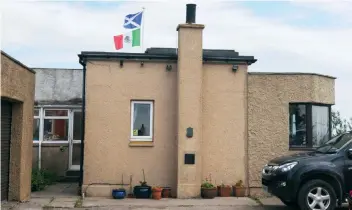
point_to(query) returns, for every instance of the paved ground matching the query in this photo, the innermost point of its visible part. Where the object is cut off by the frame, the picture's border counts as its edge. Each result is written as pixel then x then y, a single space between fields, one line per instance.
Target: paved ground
pixel 64 196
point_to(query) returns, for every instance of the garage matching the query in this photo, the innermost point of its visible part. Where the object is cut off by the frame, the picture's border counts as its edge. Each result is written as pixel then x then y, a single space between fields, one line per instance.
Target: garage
pixel 6 116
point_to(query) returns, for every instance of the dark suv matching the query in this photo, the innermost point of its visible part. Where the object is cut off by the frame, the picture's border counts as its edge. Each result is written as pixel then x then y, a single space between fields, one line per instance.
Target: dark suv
pixel 320 179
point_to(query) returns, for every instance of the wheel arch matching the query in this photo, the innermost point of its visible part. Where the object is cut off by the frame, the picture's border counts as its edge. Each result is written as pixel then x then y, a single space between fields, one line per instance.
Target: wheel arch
pixel 332 179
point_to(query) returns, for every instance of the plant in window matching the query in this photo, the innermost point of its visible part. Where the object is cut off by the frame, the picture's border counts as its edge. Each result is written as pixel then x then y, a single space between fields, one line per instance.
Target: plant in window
pixel 208 190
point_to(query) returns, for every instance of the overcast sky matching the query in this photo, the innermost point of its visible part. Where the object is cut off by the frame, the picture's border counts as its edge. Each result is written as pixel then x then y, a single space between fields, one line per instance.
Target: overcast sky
pixel 295 36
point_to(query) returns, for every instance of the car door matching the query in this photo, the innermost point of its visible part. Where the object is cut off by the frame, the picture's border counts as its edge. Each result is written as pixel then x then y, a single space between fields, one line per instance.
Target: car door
pixel 348 168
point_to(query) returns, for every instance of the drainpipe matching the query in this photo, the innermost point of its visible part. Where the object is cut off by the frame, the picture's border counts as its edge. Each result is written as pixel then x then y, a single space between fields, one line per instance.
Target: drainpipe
pixel 83 121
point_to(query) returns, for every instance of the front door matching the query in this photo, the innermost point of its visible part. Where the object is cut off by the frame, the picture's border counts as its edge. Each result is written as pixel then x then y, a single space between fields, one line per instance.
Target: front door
pixel 75 139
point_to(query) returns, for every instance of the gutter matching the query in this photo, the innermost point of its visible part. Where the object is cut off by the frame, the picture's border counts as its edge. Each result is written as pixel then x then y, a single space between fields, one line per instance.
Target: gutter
pixel 83 122
pixel 144 56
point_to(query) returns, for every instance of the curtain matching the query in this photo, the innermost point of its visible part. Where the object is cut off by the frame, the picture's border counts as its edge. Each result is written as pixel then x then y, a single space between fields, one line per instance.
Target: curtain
pixel 320 123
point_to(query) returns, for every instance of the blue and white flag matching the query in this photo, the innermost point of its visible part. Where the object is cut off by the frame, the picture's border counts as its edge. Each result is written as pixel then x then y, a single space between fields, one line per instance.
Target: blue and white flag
pixel 133 21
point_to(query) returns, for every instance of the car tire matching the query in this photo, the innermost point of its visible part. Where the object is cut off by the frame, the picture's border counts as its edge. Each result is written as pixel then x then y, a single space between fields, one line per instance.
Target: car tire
pixel 290 203
pixel 309 193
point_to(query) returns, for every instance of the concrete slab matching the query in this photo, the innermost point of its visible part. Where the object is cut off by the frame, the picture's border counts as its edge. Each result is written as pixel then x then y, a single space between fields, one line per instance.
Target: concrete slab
pixel 57 190
pixel 68 202
pixel 163 203
pixel 271 201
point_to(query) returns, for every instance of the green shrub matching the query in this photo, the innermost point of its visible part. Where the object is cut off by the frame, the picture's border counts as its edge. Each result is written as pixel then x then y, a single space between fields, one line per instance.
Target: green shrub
pixel 42 178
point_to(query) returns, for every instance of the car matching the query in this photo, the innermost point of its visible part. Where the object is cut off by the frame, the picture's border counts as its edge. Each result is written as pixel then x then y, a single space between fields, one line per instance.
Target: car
pixel 314 180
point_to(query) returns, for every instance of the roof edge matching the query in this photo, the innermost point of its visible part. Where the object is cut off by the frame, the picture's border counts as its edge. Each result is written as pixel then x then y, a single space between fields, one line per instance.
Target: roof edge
pixel 17 62
pixel 291 73
pixel 34 68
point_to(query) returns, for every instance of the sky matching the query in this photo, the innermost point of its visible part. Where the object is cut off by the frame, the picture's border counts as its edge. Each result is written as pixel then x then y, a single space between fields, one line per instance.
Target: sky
pixel 285 36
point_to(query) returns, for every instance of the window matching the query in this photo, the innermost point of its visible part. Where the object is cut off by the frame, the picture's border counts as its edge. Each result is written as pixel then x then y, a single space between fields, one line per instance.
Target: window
pixel 141 120
pixel 36 124
pixel 309 125
pixel 56 125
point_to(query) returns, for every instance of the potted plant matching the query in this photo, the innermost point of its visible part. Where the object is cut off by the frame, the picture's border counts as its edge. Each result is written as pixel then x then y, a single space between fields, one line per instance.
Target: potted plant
pixel 224 190
pixel 238 189
pixel 208 190
pixel 119 193
pixel 156 193
pixel 143 190
pixel 166 193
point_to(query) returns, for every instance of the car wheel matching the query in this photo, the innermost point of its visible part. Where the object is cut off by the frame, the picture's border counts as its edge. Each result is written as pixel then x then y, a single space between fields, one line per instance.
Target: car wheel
pixel 317 195
pixel 289 203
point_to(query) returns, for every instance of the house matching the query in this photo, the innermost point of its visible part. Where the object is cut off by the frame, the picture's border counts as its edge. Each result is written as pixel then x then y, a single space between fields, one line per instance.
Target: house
pixel 57 121
pixel 17 99
pixel 186 114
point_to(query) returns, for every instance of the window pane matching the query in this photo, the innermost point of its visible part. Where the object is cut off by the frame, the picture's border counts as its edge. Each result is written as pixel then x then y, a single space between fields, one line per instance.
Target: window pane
pixel 36 112
pixel 59 113
pixel 55 129
pixel 141 119
pixel 77 123
pixel 36 123
pixel 320 123
pixel 298 125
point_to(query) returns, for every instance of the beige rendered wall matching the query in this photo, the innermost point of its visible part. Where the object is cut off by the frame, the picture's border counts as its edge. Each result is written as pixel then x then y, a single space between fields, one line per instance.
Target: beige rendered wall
pixel 269 96
pixel 224 123
pixel 108 154
pixel 17 85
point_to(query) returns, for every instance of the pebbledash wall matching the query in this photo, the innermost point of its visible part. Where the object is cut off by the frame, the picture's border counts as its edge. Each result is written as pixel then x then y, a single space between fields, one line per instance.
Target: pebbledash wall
pixel 269 96
pixel 17 89
pixel 239 119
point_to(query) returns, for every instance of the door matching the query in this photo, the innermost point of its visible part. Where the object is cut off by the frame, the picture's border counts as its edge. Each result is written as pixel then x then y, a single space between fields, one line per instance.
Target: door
pixel 6 118
pixel 75 139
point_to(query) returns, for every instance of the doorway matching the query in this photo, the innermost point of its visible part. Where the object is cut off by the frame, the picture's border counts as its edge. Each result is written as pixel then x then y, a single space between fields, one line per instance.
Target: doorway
pixel 75 139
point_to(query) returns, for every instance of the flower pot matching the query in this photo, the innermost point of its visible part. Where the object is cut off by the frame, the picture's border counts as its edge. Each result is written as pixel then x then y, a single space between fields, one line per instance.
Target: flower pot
pixel 224 191
pixel 208 193
pixel 239 191
pixel 156 193
pixel 118 193
pixel 142 191
pixel 166 193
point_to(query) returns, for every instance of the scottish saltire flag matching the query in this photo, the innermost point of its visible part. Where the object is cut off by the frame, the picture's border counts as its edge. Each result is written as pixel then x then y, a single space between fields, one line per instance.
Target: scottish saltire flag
pixel 133 21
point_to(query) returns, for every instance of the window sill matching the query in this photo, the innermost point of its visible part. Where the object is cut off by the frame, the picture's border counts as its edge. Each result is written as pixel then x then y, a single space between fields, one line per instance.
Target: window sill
pixel 301 149
pixel 141 144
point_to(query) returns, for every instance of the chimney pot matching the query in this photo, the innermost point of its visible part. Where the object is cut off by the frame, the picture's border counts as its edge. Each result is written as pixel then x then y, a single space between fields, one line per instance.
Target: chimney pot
pixel 191 13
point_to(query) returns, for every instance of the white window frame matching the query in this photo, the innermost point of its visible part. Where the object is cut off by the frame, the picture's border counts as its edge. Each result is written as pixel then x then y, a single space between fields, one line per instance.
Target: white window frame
pixel 40 123
pixel 143 138
pixel 56 118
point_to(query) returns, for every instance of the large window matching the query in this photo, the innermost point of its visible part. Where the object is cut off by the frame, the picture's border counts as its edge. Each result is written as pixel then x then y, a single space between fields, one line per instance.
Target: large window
pixel 141 120
pixel 310 125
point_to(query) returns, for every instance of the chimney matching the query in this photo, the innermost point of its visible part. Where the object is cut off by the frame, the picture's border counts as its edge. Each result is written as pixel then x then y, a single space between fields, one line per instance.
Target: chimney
pixel 189 112
pixel 191 13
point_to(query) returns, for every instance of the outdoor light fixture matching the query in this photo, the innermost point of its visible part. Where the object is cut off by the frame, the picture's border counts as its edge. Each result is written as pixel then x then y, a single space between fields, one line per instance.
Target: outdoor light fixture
pixel 234 68
pixel 121 63
pixel 168 67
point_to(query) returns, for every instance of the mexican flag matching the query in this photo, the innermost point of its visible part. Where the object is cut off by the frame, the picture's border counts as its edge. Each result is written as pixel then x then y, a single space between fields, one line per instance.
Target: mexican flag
pixel 130 39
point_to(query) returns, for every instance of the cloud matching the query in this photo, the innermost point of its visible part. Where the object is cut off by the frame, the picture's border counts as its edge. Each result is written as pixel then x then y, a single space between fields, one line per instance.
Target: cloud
pixel 50 34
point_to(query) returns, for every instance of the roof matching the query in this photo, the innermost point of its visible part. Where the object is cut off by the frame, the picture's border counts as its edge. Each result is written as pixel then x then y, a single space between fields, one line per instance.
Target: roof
pixel 170 54
pixel 17 62
pixel 290 74
pixel 56 69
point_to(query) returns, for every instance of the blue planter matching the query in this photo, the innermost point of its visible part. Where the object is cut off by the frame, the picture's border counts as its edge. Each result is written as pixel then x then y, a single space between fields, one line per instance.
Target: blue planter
pixel 142 191
pixel 118 193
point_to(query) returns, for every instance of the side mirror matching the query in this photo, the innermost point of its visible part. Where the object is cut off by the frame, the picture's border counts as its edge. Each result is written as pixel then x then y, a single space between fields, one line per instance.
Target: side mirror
pixel 349 153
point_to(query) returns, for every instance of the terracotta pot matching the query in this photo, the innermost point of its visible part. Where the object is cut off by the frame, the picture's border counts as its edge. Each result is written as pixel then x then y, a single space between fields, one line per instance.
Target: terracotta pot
pixel 224 191
pixel 156 193
pixel 166 193
pixel 239 191
pixel 208 193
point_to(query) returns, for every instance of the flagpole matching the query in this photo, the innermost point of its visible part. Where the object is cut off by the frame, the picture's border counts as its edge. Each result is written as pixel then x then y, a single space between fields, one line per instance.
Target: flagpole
pixel 143 22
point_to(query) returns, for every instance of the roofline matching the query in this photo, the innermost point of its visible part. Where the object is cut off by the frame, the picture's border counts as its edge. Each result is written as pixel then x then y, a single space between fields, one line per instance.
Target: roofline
pixel 17 62
pixel 291 73
pixel 84 56
pixel 55 69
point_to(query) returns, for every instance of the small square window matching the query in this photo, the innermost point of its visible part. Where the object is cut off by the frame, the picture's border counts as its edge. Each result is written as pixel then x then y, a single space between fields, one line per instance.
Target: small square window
pixel 56 113
pixel 142 120
pixel 189 159
pixel 36 112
